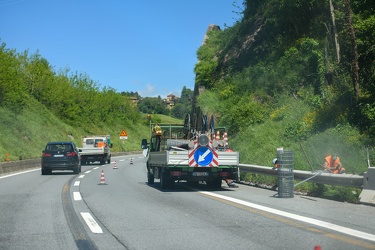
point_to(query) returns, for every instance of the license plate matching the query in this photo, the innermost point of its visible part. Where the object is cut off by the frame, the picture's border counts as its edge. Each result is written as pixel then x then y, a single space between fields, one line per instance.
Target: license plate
pixel 58 156
pixel 200 173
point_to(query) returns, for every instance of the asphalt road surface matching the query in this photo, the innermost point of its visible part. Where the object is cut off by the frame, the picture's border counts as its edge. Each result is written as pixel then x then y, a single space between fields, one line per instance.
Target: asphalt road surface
pixel 109 208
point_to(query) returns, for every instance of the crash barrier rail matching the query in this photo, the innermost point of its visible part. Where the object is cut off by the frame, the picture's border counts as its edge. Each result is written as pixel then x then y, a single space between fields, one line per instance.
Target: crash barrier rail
pixel 14 166
pixel 366 182
pixel 320 177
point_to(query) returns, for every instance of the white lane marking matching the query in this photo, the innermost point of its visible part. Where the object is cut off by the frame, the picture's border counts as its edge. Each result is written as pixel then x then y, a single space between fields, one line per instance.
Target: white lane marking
pixel 81 176
pixel 77 196
pixel 23 172
pixel 91 223
pixel 122 160
pixel 96 167
pixel 76 183
pixel 337 228
pixel 88 171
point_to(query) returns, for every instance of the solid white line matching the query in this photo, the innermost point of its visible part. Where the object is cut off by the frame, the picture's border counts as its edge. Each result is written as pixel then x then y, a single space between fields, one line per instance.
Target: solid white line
pixel 23 172
pixel 91 223
pixel 76 183
pixel 337 228
pixel 77 196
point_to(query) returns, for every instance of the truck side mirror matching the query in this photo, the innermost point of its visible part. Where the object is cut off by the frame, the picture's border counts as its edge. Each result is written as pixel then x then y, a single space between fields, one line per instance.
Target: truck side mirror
pixel 111 145
pixel 144 144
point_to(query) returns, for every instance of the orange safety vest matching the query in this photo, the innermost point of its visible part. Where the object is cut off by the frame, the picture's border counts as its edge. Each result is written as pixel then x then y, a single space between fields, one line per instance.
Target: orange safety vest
pixel 332 164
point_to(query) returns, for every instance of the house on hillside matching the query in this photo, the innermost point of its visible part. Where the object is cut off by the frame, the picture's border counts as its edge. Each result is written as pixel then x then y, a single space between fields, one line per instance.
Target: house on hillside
pixel 169 101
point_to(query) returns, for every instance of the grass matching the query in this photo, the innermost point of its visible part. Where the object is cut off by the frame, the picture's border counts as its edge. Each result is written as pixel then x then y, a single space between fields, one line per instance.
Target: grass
pixel 24 136
pixel 258 145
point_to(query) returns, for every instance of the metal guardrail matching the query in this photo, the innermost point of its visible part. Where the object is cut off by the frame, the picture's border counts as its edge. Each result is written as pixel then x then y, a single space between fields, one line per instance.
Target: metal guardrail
pixel 348 180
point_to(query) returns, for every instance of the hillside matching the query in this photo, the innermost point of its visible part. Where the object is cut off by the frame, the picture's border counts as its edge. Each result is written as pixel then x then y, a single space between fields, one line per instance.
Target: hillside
pixel 274 79
pixel 283 76
pixel 39 104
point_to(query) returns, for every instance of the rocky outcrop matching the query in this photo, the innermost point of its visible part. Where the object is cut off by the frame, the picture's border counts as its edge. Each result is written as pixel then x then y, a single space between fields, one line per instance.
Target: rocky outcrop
pixel 210 27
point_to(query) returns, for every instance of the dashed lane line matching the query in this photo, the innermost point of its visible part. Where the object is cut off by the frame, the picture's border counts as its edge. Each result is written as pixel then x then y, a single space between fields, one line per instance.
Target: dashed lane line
pixel 91 223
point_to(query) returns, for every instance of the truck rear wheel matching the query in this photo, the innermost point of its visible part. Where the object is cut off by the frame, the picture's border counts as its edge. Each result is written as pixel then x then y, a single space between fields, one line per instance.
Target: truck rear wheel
pixel 215 183
pixel 150 178
pixel 165 181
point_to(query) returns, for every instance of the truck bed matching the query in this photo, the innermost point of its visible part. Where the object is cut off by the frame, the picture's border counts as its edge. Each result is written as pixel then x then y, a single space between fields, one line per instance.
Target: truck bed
pixel 92 151
pixel 177 158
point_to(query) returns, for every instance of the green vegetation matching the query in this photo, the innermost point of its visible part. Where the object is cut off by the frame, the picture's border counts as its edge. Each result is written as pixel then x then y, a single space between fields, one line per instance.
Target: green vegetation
pixel 297 75
pixel 293 74
pixel 156 105
pixel 38 104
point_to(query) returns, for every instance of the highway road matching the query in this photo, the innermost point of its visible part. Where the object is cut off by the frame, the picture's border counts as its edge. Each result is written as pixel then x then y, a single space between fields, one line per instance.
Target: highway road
pixel 121 211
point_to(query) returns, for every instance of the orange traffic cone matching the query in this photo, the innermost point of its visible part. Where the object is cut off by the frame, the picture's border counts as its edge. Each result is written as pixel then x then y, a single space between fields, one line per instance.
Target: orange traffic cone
pixel 102 180
pixel 225 139
pixel 317 247
pixel 217 136
pixel 114 165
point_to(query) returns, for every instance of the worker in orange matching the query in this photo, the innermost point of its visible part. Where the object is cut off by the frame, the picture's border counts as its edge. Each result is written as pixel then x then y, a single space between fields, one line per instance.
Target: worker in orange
pixel 275 163
pixel 333 165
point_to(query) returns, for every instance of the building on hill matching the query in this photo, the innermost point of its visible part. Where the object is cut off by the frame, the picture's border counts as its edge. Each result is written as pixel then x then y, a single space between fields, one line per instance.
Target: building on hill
pixel 170 100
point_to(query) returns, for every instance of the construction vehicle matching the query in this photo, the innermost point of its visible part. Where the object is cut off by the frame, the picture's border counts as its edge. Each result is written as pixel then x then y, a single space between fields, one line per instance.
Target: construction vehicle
pixel 96 148
pixel 192 152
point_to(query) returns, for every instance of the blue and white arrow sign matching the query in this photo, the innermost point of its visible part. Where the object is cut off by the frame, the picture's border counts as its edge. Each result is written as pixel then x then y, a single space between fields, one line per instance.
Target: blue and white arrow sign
pixel 203 156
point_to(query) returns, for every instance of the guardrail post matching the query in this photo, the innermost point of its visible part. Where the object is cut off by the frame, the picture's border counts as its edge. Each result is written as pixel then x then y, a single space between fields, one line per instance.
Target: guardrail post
pixel 368 192
pixel 285 175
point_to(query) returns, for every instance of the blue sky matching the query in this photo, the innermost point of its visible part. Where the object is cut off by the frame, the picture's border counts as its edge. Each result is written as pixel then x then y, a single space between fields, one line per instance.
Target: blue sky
pixel 144 46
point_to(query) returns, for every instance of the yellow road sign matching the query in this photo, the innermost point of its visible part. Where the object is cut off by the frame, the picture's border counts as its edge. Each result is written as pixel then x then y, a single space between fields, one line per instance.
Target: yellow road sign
pixel 123 133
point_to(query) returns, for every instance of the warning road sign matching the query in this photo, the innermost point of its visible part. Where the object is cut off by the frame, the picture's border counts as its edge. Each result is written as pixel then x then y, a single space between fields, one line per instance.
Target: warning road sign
pixel 123 133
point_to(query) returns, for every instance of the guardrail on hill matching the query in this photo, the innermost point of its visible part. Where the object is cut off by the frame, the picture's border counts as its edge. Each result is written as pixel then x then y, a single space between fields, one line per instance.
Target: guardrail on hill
pixel 366 182
pixel 348 180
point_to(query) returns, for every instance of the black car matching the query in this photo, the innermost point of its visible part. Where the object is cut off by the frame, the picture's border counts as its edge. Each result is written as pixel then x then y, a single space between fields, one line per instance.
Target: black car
pixel 61 156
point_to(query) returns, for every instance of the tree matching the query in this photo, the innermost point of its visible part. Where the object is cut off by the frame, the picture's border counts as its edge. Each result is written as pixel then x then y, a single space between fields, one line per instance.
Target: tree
pixel 354 49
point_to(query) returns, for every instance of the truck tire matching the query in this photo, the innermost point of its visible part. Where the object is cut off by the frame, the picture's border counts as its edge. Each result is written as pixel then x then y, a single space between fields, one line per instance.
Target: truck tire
pixel 215 183
pixel 150 178
pixel 46 171
pixel 165 181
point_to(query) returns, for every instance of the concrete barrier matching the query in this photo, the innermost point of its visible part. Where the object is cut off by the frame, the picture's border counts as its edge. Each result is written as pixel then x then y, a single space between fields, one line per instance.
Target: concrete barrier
pixel 14 166
pixel 368 192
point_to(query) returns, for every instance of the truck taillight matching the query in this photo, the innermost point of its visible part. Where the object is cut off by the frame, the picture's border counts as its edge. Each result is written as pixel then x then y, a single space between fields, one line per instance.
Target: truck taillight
pixel 71 154
pixel 175 173
pixel 224 174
